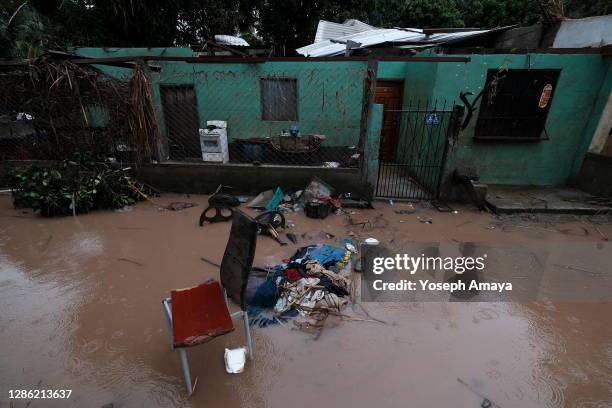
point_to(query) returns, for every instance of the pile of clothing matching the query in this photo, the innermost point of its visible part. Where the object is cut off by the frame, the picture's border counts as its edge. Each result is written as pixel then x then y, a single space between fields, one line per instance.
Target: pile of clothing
pixel 313 284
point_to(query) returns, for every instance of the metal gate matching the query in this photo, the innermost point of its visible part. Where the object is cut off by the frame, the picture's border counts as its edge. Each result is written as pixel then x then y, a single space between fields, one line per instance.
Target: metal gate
pixel 423 137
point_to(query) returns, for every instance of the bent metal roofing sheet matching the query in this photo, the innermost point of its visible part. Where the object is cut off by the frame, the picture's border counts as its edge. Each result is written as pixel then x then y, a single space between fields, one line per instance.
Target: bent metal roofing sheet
pixel 326 45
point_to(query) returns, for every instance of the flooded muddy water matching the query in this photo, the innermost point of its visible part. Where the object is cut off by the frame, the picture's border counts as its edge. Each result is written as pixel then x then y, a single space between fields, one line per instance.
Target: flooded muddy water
pixel 80 302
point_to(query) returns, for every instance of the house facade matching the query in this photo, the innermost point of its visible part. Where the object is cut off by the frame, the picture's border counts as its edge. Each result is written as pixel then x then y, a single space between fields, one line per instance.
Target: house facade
pixel 515 118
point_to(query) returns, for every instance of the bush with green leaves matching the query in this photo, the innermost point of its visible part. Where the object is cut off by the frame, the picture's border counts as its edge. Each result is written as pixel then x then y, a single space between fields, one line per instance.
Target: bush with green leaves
pixel 73 187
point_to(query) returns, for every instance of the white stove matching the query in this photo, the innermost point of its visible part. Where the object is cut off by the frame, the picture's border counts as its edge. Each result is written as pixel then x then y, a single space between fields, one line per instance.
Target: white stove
pixel 213 142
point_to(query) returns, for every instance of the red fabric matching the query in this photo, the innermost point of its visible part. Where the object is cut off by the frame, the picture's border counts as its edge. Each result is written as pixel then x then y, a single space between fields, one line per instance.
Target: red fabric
pixel 333 201
pixel 292 274
pixel 199 314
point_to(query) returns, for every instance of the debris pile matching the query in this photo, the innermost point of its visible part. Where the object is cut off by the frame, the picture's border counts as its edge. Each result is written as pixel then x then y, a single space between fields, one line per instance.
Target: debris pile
pixel 315 283
pixel 318 200
pixel 309 287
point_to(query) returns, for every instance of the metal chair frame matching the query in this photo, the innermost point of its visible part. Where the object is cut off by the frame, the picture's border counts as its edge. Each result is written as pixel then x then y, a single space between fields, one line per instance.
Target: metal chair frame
pixel 183 350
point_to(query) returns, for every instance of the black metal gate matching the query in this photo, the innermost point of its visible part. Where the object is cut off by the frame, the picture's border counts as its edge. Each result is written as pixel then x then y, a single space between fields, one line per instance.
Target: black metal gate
pixel 424 135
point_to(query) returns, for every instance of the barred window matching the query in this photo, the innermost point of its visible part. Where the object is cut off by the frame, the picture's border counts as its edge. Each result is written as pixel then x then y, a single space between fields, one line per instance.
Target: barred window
pixel 515 104
pixel 279 99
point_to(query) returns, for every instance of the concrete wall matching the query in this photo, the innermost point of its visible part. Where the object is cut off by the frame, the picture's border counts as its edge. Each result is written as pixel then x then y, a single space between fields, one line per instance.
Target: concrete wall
pixel 245 179
pixel 330 94
pixel 202 178
pixel 330 97
pixel 419 78
pixel 370 159
pixel 575 110
pixel 596 175
pixel 601 124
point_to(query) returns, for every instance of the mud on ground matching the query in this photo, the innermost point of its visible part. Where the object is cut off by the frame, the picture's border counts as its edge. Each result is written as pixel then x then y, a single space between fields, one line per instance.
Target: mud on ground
pixel 81 309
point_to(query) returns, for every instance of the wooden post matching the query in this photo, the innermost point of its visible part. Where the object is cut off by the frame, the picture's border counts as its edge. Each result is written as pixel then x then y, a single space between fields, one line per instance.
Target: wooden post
pixel 159 149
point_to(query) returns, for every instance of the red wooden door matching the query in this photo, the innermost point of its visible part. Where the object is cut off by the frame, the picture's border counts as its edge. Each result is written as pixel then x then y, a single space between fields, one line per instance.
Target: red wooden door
pixel 389 94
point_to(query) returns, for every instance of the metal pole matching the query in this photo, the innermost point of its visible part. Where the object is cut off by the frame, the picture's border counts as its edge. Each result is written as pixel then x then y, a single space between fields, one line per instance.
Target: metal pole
pixel 247 331
pixel 168 315
pixel 185 366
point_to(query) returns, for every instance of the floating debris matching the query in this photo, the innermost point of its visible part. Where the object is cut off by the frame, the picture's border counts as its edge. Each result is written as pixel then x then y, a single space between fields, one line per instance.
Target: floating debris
pixel 180 205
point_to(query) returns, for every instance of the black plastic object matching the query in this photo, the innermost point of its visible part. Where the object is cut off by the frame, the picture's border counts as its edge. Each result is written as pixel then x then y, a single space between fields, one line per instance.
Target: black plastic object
pixel 274 218
pixel 317 209
pixel 218 217
pixel 222 200
pixel 219 202
pixel 268 222
pixel 238 257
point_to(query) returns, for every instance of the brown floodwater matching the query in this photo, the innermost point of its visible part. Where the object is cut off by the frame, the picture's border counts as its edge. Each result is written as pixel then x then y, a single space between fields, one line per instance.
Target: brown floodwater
pixel 80 309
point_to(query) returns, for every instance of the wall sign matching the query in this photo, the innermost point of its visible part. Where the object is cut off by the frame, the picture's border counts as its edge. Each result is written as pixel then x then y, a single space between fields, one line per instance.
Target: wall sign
pixel 545 97
pixel 432 119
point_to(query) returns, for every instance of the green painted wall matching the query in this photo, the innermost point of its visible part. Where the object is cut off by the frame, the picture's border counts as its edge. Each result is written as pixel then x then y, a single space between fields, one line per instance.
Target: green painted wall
pixel 576 106
pixel 370 160
pixel 330 94
pixel 419 78
pixel 600 104
pixel 419 82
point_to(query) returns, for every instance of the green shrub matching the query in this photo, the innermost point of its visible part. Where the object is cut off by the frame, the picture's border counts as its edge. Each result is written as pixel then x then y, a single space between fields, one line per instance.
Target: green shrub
pixel 73 187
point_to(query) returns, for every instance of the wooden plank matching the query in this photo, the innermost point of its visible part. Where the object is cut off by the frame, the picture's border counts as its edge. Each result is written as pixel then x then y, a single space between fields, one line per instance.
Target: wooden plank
pixel 526 51
pixel 120 62
pixel 259 60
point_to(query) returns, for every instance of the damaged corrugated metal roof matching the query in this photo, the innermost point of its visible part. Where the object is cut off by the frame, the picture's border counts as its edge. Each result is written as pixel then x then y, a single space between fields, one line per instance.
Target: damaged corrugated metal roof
pixel 327 30
pixel 338 46
pixel 230 40
pixel 334 39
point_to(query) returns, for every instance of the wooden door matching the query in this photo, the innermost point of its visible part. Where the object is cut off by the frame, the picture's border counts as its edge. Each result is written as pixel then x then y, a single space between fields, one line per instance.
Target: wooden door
pixel 182 121
pixel 389 94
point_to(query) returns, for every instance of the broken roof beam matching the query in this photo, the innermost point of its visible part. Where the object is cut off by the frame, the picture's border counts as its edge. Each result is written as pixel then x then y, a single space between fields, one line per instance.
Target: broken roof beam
pixel 120 62
pixel 524 51
pixel 260 60
pixel 129 63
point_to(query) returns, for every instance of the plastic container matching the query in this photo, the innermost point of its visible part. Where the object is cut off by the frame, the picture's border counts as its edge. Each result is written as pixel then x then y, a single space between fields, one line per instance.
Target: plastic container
pixel 317 209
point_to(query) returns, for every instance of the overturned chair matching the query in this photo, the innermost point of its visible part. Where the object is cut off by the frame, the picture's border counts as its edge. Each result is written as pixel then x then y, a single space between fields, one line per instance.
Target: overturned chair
pixel 199 314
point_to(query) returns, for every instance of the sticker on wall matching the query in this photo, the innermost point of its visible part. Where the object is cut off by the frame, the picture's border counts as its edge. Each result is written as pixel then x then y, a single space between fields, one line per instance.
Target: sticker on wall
pixel 545 97
pixel 432 119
